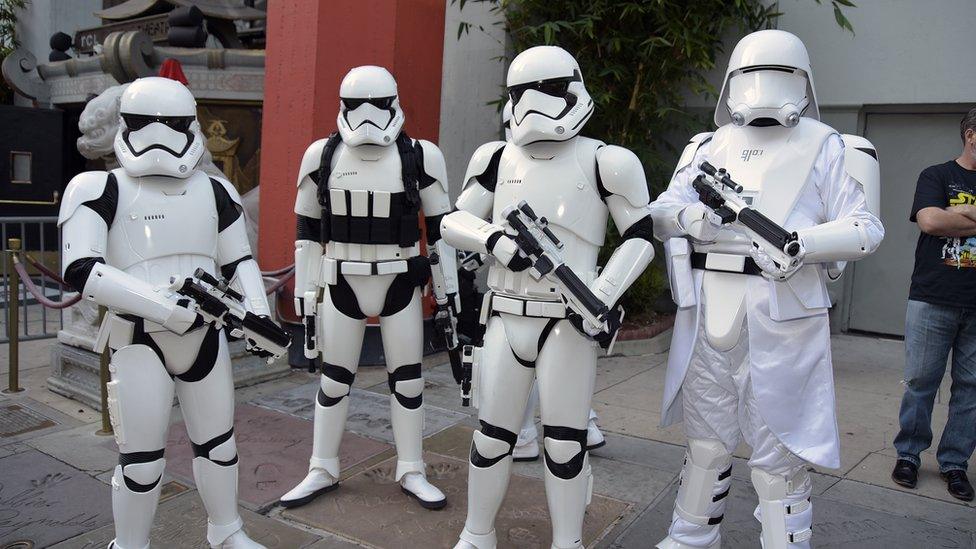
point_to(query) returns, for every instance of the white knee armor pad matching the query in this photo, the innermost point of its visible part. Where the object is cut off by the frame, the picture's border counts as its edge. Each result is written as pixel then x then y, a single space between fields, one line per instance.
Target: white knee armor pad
pixel 784 509
pixel 333 388
pixel 561 451
pixel 706 476
pixel 225 451
pixel 488 447
pixel 411 387
pixel 143 473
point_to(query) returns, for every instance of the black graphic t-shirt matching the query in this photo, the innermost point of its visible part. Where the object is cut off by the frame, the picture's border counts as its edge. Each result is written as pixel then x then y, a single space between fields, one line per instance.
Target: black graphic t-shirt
pixel 945 267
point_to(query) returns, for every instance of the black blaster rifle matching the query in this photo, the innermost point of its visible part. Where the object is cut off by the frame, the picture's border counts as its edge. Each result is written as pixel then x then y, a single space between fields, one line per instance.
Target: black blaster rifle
pixel 223 307
pixel 540 245
pixel 718 191
pixel 445 321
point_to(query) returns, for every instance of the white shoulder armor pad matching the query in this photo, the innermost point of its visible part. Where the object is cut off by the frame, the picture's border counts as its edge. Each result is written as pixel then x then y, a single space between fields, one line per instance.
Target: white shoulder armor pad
pixel 82 188
pixel 480 160
pixel 861 162
pixel 311 160
pixel 231 190
pixel 622 174
pixel 434 164
pixel 691 148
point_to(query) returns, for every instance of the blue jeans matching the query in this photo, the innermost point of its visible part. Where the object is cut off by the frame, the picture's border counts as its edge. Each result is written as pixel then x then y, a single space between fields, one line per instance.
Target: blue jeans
pixel 931 331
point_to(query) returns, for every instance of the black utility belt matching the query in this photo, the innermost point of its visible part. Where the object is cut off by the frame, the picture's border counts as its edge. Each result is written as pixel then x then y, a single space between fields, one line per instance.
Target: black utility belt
pixel 720 263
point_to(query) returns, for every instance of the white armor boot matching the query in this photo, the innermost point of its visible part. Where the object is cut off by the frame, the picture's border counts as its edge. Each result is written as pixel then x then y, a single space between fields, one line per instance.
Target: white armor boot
pixel 702 495
pixel 784 509
pixel 357 255
pixel 575 183
pixel 127 233
pixel 735 374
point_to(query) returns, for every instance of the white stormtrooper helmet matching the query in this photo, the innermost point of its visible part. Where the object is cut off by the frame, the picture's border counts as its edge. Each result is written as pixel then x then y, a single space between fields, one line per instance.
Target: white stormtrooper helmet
pixel 369 107
pixel 549 101
pixel 158 132
pixel 768 82
pixel 507 120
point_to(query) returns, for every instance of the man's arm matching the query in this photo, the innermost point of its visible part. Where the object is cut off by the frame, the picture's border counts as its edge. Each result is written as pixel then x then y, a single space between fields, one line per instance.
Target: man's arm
pixel 954 221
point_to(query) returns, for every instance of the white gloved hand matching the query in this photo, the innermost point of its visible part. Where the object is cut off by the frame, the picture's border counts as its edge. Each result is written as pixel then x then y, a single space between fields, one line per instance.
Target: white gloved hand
pixel 700 222
pixel 770 269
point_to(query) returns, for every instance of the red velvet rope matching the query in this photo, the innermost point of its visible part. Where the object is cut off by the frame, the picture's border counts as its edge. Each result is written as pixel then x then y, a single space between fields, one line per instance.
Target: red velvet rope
pixel 47 272
pixel 288 272
pixel 39 294
pixel 279 272
pixel 280 282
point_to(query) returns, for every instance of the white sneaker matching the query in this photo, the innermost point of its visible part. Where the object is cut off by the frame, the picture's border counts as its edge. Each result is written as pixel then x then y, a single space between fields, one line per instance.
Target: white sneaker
pixel 239 540
pixel 316 482
pixel 526 452
pixel 429 496
pixel 594 438
pixel 527 445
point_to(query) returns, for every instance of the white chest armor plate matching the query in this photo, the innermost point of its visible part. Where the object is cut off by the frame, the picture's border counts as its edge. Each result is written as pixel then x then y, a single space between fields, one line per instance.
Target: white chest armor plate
pixel 773 165
pixel 163 227
pixel 362 183
pixel 558 181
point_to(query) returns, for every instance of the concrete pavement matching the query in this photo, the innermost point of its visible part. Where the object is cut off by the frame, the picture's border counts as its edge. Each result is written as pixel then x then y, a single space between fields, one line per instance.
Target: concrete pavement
pixel 55 471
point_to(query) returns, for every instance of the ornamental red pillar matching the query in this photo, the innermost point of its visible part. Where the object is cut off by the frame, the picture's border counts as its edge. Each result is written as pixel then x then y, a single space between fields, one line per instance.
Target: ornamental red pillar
pixel 311 46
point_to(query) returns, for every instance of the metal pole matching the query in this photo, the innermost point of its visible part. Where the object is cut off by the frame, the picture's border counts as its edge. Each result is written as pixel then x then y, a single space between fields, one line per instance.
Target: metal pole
pixel 13 324
pixel 104 377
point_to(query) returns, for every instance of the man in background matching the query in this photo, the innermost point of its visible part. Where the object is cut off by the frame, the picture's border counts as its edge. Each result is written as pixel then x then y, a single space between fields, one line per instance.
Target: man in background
pixel 940 319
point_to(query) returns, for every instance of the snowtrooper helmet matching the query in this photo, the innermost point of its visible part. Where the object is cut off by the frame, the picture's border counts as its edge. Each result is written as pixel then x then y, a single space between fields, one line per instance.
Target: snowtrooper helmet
pixel 507 120
pixel 769 81
pixel 158 132
pixel 369 107
pixel 549 101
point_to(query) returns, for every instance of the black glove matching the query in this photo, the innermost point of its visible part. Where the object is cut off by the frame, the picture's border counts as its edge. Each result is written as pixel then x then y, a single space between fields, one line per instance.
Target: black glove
pixel 605 337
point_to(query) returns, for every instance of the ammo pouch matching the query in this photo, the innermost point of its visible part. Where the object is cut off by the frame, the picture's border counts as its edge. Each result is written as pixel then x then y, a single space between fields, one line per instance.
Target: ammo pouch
pixel 371 217
pixel 418 270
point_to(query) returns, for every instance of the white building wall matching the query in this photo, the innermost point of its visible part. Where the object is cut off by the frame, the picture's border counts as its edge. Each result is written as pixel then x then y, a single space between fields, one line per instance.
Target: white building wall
pixel 472 77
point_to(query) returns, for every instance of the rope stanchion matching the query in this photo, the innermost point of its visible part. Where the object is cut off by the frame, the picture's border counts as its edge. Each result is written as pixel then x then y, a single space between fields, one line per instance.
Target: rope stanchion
pixel 13 317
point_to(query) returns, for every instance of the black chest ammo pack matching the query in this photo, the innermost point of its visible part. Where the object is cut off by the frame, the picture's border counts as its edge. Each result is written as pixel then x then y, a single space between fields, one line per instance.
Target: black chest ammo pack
pixel 388 218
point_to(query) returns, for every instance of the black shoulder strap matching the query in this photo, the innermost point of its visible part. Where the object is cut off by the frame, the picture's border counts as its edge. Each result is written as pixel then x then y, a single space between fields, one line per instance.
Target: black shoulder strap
pixel 325 166
pixel 410 167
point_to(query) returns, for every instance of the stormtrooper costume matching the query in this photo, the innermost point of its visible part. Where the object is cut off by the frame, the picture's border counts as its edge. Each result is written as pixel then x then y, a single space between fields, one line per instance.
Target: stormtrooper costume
pixel 527 445
pixel 125 233
pixel 575 183
pixel 750 355
pixel 357 254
